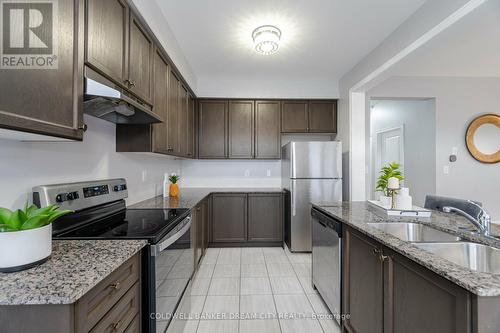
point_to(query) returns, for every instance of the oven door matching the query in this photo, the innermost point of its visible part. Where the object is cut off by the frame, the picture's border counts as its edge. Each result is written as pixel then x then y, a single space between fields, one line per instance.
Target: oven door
pixel 171 269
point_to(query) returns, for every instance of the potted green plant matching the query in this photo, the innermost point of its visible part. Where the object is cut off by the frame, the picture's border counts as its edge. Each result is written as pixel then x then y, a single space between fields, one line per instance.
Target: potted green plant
pixel 388 171
pixel 26 236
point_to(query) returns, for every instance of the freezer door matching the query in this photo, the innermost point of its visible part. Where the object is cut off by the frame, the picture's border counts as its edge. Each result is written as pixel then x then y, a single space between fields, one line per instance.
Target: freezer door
pixel 302 193
pixel 315 159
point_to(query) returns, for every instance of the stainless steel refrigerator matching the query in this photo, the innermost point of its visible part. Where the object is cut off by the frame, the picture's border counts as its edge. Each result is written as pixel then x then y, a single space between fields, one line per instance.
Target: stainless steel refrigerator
pixel 310 171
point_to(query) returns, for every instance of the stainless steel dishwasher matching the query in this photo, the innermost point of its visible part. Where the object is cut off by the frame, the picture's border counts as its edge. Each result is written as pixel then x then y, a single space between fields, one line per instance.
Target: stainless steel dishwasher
pixel 327 260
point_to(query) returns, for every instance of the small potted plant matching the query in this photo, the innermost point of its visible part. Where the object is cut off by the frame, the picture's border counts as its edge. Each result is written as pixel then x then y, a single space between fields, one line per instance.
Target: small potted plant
pixel 174 187
pixel 26 236
pixel 391 170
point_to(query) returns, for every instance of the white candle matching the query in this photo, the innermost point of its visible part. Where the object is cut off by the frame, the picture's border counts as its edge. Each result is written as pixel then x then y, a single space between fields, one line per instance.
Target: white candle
pixel 393 183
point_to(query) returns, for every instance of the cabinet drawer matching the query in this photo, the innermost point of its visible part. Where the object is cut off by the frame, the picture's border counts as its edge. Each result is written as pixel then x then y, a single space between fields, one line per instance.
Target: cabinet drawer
pixel 97 302
pixel 122 314
pixel 135 325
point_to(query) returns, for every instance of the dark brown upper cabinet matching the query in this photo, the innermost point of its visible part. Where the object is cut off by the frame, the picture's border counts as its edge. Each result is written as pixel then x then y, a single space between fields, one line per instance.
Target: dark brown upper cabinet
pixel 141 50
pixel 183 120
pixel 119 47
pixel 160 103
pixel 212 134
pixel 309 116
pixel 241 129
pixel 294 116
pixel 267 130
pixel 322 116
pixel 191 126
pixel 107 38
pixel 173 113
pixel 49 101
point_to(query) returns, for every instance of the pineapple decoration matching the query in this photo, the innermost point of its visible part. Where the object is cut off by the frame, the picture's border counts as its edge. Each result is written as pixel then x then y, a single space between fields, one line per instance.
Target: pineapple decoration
pixel 174 187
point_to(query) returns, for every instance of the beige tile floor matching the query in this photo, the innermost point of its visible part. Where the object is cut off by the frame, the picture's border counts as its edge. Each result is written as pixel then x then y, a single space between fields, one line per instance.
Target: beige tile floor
pixel 240 290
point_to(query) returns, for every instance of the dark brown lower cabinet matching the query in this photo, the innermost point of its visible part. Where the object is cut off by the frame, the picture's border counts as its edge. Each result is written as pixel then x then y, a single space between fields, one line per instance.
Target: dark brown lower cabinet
pixel 247 219
pixel 387 292
pixel 229 217
pixel 265 217
pixel 363 284
pixel 418 300
pixel 105 308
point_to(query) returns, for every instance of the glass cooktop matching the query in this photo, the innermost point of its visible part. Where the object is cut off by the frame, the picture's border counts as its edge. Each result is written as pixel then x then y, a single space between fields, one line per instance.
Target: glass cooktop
pixel 149 224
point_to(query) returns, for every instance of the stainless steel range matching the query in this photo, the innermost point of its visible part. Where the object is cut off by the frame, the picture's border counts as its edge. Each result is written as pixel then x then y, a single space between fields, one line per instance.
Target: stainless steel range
pixel 101 213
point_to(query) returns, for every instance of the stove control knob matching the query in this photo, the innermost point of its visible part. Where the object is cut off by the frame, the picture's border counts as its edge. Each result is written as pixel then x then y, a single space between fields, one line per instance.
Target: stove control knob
pixel 59 198
pixel 69 196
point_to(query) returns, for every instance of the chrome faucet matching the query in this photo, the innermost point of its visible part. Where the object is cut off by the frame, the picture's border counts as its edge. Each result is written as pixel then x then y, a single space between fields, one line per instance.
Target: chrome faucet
pixel 479 218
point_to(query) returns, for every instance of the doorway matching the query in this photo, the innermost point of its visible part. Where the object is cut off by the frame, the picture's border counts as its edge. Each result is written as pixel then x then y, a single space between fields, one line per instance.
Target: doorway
pixel 404 131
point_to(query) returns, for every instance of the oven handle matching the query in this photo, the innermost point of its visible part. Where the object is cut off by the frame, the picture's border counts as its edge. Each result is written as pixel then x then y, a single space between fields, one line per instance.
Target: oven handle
pixel 158 248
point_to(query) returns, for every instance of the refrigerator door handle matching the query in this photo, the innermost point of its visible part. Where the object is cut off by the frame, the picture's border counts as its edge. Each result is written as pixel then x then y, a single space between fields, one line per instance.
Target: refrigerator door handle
pixel 294 199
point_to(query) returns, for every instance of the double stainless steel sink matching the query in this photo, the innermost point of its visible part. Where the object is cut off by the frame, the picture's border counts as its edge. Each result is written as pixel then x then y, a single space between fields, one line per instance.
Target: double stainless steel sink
pixel 477 257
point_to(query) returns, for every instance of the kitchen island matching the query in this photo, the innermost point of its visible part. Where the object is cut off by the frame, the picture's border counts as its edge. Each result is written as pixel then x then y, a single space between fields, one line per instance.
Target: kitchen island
pixel 390 284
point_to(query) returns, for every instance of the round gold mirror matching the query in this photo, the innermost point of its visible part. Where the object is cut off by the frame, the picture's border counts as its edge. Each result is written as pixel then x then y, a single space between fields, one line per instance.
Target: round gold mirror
pixel 483 138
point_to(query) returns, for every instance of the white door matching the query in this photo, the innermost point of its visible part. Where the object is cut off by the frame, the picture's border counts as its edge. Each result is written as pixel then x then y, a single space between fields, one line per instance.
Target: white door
pixel 389 148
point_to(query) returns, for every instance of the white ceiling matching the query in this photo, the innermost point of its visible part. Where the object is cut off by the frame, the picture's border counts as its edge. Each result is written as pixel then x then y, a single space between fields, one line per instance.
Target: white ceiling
pixel 321 39
pixel 469 48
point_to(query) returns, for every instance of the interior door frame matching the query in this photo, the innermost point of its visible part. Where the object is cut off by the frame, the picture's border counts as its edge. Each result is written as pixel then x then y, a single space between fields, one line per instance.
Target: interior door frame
pixel 376 153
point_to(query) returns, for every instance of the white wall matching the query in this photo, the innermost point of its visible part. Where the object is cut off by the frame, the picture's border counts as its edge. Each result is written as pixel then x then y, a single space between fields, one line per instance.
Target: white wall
pixel 418 119
pixel 427 22
pixel 239 173
pixel 267 88
pixel 458 102
pixel 27 164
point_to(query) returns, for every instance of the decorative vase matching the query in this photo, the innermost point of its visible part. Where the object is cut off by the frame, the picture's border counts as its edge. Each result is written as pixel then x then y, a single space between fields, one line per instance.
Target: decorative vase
pixel 386 201
pixel 173 190
pixel 25 249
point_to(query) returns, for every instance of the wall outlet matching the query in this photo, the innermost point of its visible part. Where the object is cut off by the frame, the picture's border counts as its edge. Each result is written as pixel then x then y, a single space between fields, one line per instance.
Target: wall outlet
pixel 454 151
pixel 144 176
pixel 446 169
pixel 268 172
pixel 247 173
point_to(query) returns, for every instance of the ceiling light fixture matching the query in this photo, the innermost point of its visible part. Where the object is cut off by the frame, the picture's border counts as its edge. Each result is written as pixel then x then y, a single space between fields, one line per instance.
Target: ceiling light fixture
pixel 266 39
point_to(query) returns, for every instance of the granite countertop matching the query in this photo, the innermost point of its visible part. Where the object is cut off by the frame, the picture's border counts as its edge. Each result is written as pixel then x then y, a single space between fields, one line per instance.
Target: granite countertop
pixel 75 267
pixel 191 196
pixel 358 214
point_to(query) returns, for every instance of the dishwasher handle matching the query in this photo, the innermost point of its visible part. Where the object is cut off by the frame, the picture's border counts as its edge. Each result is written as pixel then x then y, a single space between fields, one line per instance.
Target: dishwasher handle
pixel 326 221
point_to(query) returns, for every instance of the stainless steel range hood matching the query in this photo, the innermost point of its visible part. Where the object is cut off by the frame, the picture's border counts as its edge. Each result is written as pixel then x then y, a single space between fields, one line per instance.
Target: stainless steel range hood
pixel 109 102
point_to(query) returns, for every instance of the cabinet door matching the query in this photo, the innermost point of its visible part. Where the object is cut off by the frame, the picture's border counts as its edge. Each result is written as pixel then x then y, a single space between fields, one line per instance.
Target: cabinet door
pixel 418 300
pixel 183 121
pixel 191 125
pixel 160 130
pixel 173 113
pixel 206 223
pixel 107 22
pixel 363 284
pixel 49 101
pixel 265 221
pixel 212 129
pixel 323 116
pixel 229 217
pixel 197 218
pixel 141 50
pixel 267 129
pixel 241 129
pixel 294 116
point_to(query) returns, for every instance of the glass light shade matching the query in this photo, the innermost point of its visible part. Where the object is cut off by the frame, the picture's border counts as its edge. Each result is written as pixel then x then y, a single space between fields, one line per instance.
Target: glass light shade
pixel 266 39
